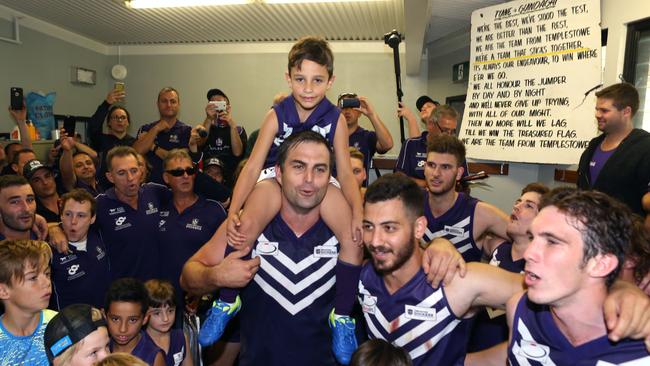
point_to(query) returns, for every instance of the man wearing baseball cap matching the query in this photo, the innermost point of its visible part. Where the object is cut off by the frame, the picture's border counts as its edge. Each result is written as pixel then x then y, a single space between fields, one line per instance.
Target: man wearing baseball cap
pixel 214 168
pixel 76 336
pixel 41 178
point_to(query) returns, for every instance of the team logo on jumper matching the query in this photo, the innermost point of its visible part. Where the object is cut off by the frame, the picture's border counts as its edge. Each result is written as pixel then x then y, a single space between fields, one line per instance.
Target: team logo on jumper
pixel 67 258
pixel 266 248
pixel 325 251
pixel 73 269
pixel 455 231
pixel 421 155
pixel 173 138
pixel 151 209
pixel 419 313
pixel 194 225
pixel 161 225
pixel 369 304
pixel 100 253
pixel 421 163
pixel 120 223
pixel 219 142
pixel 287 132
pixel 116 211
pixel 534 351
pixel 323 131
pixel 356 145
pixel 164 213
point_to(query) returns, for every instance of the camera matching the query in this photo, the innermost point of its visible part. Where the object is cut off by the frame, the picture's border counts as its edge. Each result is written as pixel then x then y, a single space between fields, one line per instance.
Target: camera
pixel 350 103
pixel 393 38
pixel 219 105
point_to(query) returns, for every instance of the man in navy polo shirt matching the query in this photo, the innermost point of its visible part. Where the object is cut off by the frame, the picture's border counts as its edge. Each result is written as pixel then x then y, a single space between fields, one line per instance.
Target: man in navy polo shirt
pixel 157 138
pixel 80 275
pixel 368 142
pixel 128 216
pixel 187 221
pixel 413 155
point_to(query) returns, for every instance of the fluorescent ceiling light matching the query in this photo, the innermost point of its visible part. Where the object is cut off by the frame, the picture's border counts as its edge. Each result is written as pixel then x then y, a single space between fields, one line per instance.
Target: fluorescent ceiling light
pixel 143 4
pixel 316 1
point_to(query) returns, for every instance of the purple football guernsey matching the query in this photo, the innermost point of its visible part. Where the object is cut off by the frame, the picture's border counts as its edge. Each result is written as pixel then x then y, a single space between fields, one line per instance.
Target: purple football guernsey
pixel 413 156
pixel 182 235
pixel 537 341
pixel 177 137
pixel 81 276
pixel 456 225
pixel 130 235
pixel 177 351
pixel 146 349
pixel 491 326
pixel 286 305
pixel 416 317
pixel 323 119
pixel 366 142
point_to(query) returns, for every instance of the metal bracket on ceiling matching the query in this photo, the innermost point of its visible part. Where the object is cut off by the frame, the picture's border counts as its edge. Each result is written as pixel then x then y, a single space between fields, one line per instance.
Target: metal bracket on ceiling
pixel 16 38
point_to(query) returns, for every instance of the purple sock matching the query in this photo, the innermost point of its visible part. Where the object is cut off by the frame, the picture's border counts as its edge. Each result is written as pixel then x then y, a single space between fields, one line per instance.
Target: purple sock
pixel 347 282
pixel 230 294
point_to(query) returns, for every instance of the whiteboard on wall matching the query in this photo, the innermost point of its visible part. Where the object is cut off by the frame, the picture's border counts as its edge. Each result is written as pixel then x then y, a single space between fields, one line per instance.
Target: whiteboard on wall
pixel 534 66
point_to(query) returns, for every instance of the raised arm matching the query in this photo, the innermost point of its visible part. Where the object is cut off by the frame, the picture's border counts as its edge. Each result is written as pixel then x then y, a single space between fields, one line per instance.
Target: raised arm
pixel 20 117
pixel 384 138
pixel 66 164
pixel 489 220
pixel 411 120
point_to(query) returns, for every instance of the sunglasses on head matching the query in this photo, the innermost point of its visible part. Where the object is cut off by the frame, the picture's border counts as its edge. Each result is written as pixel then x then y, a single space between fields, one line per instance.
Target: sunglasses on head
pixel 179 172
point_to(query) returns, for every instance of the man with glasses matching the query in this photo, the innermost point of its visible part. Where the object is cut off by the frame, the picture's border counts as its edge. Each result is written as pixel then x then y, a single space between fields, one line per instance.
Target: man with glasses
pixel 187 221
pixel 413 155
pixel 367 142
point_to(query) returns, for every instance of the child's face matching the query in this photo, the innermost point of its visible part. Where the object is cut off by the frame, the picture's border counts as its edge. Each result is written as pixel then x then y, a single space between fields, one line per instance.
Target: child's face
pixel 125 319
pixel 161 319
pixel 309 84
pixel 92 349
pixel 32 294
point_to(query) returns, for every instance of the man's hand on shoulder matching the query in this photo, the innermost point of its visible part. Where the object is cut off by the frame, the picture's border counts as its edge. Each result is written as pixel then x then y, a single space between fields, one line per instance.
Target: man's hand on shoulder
pixel 235 272
pixel 441 260
pixel 627 313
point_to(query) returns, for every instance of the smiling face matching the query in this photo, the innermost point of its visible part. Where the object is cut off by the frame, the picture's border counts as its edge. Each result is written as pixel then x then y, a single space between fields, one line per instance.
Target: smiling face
pixel 390 234
pixel 18 207
pixel 125 319
pixel 609 118
pixel 84 167
pixel 309 82
pixel 304 176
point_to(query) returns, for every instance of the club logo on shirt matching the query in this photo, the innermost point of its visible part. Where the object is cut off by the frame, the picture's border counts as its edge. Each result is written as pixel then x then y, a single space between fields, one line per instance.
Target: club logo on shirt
pixel 73 269
pixel 194 225
pixel 173 138
pixel 219 142
pixel 67 258
pixel 455 231
pixel 100 253
pixel 369 304
pixel 120 223
pixel 421 163
pixel 534 351
pixel 323 131
pixel 421 155
pixel 287 132
pixel 419 313
pixel 116 211
pixel 161 225
pixel 356 145
pixel 266 248
pixel 164 213
pixel 151 209
pixel 325 251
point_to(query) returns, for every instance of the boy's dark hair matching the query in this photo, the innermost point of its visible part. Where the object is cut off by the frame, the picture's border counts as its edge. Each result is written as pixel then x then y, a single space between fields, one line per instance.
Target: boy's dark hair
pixel 447 144
pixel 81 196
pixel 622 95
pixel 299 138
pixel 113 109
pixel 397 185
pixel 536 187
pixel 11 180
pixel 127 290
pixel 119 152
pixel 378 352
pixel 639 250
pixel 314 49
pixel 15 255
pixel 605 224
pixel 160 293
pixel 8 146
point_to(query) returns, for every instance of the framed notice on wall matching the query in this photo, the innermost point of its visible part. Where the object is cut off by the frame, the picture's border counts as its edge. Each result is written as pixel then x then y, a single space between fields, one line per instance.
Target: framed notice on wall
pixel 533 68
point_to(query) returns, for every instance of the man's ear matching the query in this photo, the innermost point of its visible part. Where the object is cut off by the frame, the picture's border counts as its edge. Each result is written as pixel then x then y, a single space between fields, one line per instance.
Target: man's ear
pixel 4 291
pixel 109 176
pixel 602 265
pixel 92 219
pixel 420 227
pixel 278 174
pixel 461 170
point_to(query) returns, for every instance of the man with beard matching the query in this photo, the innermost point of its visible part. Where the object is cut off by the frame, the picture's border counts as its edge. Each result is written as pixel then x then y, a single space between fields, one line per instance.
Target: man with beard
pixel 157 138
pixel 17 208
pixel 618 161
pixel 430 323
pixel 456 216
pixel 41 178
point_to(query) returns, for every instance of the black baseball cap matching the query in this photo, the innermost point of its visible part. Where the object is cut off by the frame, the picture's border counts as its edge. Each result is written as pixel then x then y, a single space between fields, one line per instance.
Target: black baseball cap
pixel 68 327
pixel 213 92
pixel 213 161
pixel 424 100
pixel 32 166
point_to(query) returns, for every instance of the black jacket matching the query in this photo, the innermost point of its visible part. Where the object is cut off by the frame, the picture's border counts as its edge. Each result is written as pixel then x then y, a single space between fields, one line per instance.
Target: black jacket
pixel 626 174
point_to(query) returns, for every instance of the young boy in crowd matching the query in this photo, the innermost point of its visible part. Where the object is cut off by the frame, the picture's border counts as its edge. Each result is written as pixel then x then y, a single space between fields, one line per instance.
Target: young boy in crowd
pixel 80 275
pixel 309 75
pixel 126 313
pixel 77 336
pixel 358 169
pixel 25 291
pixel 162 312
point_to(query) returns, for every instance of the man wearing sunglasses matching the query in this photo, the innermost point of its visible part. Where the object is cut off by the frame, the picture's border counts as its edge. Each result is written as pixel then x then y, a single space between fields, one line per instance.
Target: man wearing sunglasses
pixel 186 221
pixel 413 155
pixel 367 142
